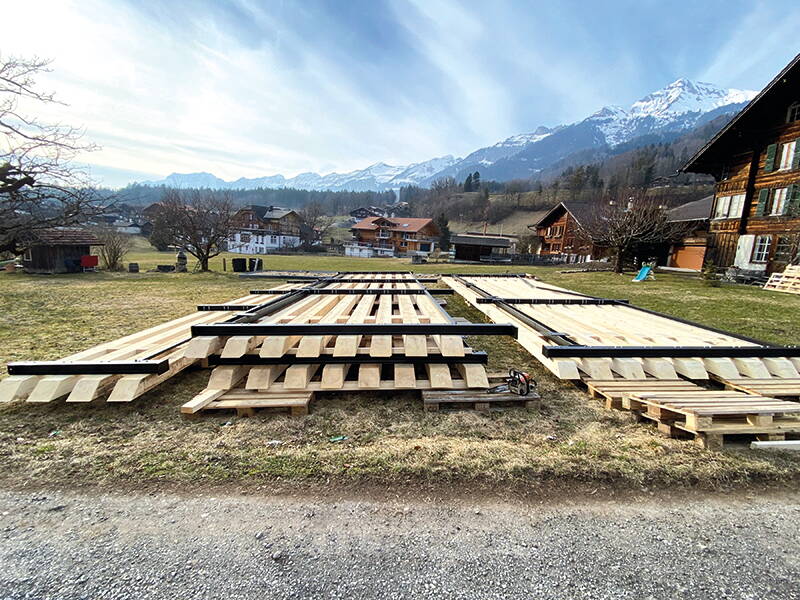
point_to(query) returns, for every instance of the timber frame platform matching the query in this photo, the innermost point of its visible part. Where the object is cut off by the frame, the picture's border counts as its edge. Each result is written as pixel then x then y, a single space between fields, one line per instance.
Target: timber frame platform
pixel 651 363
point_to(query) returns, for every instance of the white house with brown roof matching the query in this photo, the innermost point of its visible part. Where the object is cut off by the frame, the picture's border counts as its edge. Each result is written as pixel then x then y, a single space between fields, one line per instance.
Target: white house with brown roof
pixel 259 229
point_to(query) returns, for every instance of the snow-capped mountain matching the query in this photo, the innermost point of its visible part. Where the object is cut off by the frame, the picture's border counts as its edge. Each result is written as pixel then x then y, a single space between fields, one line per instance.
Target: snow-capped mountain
pixel 676 108
pixel 379 176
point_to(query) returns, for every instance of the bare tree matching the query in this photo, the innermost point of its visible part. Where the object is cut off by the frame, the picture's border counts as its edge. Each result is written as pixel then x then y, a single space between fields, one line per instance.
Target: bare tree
pixel 317 222
pixel 40 186
pixel 115 246
pixel 628 221
pixel 199 221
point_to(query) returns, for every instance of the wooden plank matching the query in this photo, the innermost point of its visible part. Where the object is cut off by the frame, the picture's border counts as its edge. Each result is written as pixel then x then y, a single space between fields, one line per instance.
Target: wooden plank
pixel 17 387
pixel 404 377
pixel 260 378
pixel 369 377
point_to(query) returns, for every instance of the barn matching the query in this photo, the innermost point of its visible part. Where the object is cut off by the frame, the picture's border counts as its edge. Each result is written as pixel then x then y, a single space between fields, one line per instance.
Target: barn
pixel 58 250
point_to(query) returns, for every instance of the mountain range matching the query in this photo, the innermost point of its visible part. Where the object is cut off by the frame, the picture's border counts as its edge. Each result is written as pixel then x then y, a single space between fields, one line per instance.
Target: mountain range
pixel 663 115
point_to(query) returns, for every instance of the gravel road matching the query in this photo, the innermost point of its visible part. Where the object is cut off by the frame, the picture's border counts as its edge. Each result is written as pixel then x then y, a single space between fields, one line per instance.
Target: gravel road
pixel 94 545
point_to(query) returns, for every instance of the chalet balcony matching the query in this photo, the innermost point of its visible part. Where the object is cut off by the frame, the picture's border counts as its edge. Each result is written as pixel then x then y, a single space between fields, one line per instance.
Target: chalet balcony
pixel 384 235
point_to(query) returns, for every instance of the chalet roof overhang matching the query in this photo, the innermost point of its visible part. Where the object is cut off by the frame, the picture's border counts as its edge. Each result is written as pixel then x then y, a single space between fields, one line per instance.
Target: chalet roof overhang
pixel 783 89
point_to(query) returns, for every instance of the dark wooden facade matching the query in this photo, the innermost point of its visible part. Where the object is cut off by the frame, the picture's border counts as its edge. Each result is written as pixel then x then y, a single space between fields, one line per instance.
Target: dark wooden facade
pixel 57 250
pixel 560 234
pixel 755 159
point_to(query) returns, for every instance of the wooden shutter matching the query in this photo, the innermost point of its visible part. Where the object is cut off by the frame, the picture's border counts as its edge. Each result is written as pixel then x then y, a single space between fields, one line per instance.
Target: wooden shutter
pixel 791 207
pixel 763 198
pixel 796 157
pixel 769 165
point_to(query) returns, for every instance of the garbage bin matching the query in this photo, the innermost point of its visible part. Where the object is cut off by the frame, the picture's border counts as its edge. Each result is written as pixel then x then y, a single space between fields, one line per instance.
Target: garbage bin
pixel 255 264
pixel 133 267
pixel 239 265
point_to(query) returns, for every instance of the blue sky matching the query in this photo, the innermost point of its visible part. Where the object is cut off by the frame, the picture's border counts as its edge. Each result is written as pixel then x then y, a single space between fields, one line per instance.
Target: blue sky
pixel 249 88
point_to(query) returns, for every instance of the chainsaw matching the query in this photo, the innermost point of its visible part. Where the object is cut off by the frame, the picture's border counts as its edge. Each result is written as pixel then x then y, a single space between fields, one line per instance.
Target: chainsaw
pixel 517 382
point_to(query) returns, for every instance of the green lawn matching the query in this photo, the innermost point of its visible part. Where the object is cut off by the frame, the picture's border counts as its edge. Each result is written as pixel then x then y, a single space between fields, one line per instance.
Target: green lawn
pixel 390 439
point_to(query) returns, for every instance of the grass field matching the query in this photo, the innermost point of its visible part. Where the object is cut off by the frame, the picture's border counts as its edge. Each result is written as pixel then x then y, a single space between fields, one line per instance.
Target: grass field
pixel 390 439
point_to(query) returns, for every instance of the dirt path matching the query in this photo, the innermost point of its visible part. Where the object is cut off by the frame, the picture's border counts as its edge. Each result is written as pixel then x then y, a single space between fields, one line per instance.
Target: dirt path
pixel 90 544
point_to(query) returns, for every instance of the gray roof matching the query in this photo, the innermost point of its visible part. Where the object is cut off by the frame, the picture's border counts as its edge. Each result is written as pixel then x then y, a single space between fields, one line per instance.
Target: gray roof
pixel 581 211
pixel 269 212
pixel 698 210
pixel 481 240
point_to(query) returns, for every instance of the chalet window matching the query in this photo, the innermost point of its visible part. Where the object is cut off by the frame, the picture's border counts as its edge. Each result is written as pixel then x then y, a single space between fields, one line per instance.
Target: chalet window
pixel 725 173
pixel 761 248
pixel 27 256
pixel 273 239
pixel 787 156
pixel 777 203
pixel 729 207
pixel 245 238
pixel 793 114
pixel 786 250
pixel 556 248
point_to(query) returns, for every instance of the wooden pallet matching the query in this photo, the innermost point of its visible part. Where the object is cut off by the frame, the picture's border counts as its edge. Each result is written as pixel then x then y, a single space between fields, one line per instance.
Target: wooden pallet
pixel 614 390
pixel 711 416
pixel 773 387
pixel 246 402
pixel 788 281
pixel 477 400
pixel 612 325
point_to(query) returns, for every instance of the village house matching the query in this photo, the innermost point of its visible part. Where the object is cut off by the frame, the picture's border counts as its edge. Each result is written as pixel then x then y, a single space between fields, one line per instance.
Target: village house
pixel 259 229
pixel 560 233
pixel 382 236
pixel 755 160
pixel 364 212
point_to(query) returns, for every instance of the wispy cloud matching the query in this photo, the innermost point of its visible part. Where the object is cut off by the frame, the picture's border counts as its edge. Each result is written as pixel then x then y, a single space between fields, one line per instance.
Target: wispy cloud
pixel 248 88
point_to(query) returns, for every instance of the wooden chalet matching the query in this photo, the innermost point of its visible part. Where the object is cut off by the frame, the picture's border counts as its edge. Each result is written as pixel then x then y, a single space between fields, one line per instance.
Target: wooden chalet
pixel 755 160
pixel 59 250
pixel 384 236
pixel 258 229
pixel 560 233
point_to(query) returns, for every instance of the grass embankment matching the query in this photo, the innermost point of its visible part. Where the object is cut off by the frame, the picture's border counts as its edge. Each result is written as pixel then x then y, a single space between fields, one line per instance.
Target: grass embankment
pixel 390 439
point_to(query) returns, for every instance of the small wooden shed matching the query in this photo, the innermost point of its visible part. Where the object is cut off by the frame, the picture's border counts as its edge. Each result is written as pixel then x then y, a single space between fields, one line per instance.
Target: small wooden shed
pixel 58 250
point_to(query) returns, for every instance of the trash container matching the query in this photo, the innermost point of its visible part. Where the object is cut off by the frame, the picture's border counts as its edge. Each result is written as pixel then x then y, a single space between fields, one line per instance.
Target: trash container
pixel 133 267
pixel 239 265
pixel 255 264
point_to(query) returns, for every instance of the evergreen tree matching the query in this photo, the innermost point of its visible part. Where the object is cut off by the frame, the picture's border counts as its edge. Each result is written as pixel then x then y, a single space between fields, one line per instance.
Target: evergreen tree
pixel 476 181
pixel 444 231
pixel 468 183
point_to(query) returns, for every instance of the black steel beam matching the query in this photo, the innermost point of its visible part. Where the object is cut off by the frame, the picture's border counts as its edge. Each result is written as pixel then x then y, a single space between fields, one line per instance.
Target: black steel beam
pixel 363 291
pixel 480 358
pixel 109 367
pixel 229 329
pixel 518 275
pixel 284 277
pixel 382 280
pixel 670 351
pixel 550 301
pixel 226 307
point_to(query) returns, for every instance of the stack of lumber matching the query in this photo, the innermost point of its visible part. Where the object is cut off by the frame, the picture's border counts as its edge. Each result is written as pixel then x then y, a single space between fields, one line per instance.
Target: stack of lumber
pixel 121 370
pixel 578 336
pixel 349 332
pixel 648 362
pixel 788 281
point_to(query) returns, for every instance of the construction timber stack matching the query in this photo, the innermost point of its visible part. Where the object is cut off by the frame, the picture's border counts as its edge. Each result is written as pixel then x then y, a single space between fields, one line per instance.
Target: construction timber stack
pixel 276 348
pixel 348 332
pixel 641 360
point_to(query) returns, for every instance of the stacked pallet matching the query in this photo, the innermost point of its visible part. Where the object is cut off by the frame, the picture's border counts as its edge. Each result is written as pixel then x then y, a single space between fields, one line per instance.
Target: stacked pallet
pixel 709 416
pixel 122 369
pixel 788 281
pixel 349 332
